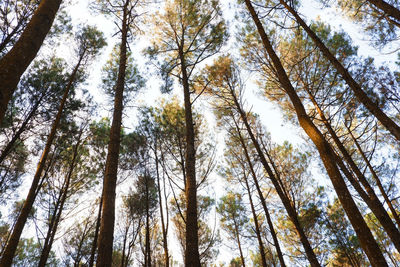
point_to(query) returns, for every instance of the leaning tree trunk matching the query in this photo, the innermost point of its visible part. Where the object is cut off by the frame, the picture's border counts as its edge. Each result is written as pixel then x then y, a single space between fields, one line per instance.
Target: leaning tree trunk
pixel 256 224
pixel 59 209
pixel 192 257
pixel 96 234
pixel 15 62
pixel 387 122
pixel 106 234
pixel 369 197
pixel 387 8
pixel 261 196
pixel 326 153
pixel 21 129
pixel 11 247
pixel 312 258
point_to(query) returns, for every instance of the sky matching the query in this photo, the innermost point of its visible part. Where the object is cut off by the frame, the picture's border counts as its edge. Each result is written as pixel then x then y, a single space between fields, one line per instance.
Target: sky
pixel 269 113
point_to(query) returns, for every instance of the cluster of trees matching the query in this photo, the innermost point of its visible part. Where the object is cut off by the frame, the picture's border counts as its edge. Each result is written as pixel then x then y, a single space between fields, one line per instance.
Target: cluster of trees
pixel 83 191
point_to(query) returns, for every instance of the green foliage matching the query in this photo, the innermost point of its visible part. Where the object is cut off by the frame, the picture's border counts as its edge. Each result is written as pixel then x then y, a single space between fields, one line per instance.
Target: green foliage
pixel 133 80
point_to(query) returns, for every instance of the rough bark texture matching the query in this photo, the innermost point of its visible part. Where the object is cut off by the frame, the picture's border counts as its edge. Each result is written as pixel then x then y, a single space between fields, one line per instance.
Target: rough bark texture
pixel 387 122
pixel 106 235
pixel 192 257
pixel 11 247
pixel 15 62
pixel 364 234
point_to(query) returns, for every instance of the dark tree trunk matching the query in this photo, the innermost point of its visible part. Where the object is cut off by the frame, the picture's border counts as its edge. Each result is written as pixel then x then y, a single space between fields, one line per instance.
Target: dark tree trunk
pixel 163 226
pixel 106 234
pixel 275 181
pixel 370 198
pixel 256 225
pixel 59 209
pixel 15 62
pixel 364 234
pixel 21 129
pixel 11 247
pixel 387 8
pixel 96 234
pixel 192 257
pixel 261 196
pixel 387 122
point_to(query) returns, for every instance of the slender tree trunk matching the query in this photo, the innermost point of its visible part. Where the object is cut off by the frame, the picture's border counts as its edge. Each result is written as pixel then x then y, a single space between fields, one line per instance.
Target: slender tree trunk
pixel 364 234
pixel 96 234
pixel 192 257
pixel 257 226
pixel 106 235
pixel 370 198
pixel 58 211
pixel 387 122
pixel 312 258
pixel 11 247
pixel 163 226
pixel 147 241
pixel 261 196
pixel 377 180
pixel 124 246
pixel 15 62
pixel 387 8
pixel 21 129
pixel 239 244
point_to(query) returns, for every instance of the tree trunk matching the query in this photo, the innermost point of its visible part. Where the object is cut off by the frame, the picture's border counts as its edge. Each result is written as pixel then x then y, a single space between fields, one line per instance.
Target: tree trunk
pixel 58 211
pixel 163 226
pixel 15 62
pixel 21 129
pixel 106 235
pixel 387 8
pixel 388 123
pixel 96 234
pixel 364 234
pixel 377 180
pixel 239 245
pixel 312 258
pixel 257 226
pixel 11 247
pixel 370 198
pixel 192 257
pixel 261 196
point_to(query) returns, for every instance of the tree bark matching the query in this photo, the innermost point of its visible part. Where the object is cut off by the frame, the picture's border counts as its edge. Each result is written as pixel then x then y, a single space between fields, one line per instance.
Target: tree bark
pixel 11 247
pixel 21 129
pixel 387 122
pixel 58 211
pixel 257 226
pixel 387 8
pixel 15 62
pixel 326 153
pixel 312 258
pixel 163 226
pixel 192 257
pixel 106 234
pixel 261 196
pixel 96 234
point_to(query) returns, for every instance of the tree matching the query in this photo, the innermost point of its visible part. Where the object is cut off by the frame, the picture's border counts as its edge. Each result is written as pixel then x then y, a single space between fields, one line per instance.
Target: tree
pixel 124 12
pixel 191 32
pixel 90 42
pixel 363 232
pixel 231 209
pixel 15 62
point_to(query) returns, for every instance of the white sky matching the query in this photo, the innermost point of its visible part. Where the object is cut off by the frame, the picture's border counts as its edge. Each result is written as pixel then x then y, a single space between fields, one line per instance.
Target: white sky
pixel 269 114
